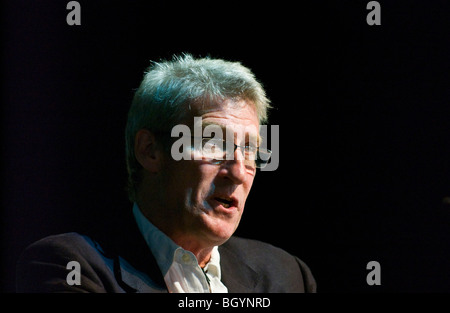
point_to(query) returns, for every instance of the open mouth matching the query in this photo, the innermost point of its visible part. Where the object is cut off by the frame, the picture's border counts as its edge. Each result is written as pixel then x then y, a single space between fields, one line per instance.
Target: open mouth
pixel 226 203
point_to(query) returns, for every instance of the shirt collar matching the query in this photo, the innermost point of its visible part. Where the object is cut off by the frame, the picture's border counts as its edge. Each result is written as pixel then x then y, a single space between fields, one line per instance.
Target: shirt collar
pixel 213 266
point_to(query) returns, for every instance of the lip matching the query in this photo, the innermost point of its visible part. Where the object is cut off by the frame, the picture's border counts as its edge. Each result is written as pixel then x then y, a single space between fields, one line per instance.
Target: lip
pixel 215 202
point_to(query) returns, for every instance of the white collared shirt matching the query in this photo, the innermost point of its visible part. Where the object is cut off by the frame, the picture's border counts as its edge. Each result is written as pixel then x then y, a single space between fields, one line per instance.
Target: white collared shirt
pixel 180 267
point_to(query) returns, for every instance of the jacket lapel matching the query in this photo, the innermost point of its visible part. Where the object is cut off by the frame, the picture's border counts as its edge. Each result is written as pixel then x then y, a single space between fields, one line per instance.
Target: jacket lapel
pixel 135 281
pixel 237 276
pixel 135 267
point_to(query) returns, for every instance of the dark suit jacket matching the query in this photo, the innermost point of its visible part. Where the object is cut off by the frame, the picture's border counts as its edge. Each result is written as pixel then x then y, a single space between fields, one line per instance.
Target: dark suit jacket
pixel 122 262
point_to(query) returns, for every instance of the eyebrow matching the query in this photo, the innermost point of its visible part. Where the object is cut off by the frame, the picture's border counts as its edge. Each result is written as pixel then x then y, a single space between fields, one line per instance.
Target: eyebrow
pixel 251 137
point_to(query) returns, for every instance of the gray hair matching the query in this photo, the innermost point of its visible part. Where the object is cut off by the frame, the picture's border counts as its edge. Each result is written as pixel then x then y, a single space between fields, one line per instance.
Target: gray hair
pixel 170 87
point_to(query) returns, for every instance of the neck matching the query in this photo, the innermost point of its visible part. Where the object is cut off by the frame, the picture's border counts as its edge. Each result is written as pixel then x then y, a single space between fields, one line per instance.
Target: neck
pixel 190 242
pixel 202 253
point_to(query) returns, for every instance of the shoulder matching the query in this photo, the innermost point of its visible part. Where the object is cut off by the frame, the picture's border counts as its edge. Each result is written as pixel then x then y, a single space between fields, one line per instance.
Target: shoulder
pixel 72 240
pixel 61 246
pixel 42 266
pixel 271 262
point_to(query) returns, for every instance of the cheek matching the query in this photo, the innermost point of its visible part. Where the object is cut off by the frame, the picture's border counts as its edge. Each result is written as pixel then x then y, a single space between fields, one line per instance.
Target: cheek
pixel 248 185
pixel 206 183
pixel 196 182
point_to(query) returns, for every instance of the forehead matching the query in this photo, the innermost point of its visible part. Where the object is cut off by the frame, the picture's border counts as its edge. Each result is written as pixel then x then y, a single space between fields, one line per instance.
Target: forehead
pixel 237 115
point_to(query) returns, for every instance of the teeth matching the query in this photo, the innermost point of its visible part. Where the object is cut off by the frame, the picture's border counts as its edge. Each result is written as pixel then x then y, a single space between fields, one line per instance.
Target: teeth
pixel 224 202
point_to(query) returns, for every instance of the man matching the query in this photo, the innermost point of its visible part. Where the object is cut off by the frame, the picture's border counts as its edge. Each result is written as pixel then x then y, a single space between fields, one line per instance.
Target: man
pixel 188 195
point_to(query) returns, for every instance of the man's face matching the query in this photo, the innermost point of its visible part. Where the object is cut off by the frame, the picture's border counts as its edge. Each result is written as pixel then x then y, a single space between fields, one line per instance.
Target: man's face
pixel 207 199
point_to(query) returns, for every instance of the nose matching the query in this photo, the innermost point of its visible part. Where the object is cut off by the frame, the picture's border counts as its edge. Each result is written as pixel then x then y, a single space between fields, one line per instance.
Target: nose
pixel 235 169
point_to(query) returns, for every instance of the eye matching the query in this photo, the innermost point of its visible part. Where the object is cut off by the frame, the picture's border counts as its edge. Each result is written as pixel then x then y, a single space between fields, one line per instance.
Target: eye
pixel 212 144
pixel 212 148
pixel 250 151
pixel 250 148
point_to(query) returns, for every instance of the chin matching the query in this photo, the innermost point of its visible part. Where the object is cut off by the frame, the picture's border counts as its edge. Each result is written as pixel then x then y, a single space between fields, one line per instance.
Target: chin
pixel 220 232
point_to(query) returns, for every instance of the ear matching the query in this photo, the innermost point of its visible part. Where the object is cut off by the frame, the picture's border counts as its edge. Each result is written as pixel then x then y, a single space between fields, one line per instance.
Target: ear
pixel 146 151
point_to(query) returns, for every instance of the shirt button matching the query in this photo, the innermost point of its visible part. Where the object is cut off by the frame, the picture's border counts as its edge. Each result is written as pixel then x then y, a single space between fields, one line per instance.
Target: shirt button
pixel 186 258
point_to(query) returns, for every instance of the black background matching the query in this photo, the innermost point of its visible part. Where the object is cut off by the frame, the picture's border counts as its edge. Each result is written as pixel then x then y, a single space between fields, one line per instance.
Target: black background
pixel 363 114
